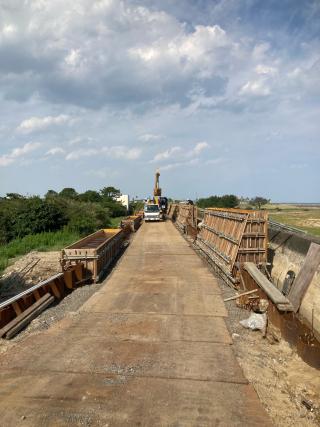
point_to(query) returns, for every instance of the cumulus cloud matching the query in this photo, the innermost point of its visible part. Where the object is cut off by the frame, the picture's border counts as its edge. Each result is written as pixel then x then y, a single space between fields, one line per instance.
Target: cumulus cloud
pixel 18 153
pixel 255 88
pixel 146 137
pixel 122 152
pixel 180 155
pixel 82 152
pixel 179 164
pixel 167 74
pixel 265 69
pixel 41 123
pixel 164 155
pixel 80 54
pixel 199 147
pixel 55 151
pixel 115 152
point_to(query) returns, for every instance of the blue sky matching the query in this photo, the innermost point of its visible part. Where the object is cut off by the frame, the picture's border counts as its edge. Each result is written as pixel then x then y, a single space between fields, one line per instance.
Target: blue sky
pixel 222 96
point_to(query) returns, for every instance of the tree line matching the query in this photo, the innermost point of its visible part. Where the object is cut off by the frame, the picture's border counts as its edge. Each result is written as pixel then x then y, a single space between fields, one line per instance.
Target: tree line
pixel 231 201
pixel 81 213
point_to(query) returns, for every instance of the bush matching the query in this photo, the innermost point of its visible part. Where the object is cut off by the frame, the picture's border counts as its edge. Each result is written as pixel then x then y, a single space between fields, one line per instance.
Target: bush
pixel 20 217
pixel 226 201
pixel 85 218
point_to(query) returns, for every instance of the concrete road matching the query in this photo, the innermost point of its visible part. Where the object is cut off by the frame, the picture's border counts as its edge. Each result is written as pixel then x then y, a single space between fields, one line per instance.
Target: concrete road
pixel 151 348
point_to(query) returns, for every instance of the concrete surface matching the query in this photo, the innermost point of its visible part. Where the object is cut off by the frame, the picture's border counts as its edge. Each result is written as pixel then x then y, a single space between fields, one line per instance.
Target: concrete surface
pixel 150 348
pixel 287 252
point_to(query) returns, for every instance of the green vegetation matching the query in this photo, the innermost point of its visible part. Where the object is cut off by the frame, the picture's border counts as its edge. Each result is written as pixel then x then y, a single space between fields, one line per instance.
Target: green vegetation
pixel 29 223
pixel 115 222
pixel 226 201
pixel 298 216
pixel 40 242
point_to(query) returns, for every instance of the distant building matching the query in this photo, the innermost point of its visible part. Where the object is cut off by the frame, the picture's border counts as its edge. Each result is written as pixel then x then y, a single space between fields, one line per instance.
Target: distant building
pixel 124 200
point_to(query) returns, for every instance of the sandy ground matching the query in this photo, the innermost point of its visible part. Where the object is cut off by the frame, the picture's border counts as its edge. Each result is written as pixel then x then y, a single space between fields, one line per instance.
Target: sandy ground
pixel 280 377
pixel 27 271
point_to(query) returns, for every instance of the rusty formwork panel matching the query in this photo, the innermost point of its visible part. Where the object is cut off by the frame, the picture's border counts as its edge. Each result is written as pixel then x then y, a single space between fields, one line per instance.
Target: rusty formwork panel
pixel 230 237
pixel 172 211
pixel 96 251
pixel 186 219
pixel 58 286
pixel 131 223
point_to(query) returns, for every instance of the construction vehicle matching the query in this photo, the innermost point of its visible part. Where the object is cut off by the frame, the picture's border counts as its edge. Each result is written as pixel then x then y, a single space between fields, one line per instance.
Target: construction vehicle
pixel 156 208
pixel 152 212
pixel 162 202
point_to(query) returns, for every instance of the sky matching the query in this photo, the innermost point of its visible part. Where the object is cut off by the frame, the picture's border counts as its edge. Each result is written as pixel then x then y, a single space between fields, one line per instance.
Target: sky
pixel 222 96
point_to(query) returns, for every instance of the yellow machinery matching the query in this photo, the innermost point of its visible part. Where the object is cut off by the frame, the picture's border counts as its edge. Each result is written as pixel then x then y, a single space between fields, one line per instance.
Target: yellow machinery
pixel 157 189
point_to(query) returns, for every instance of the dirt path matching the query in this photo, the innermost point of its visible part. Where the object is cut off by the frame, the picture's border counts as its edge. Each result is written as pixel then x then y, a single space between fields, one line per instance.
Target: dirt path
pixel 149 348
pixel 280 377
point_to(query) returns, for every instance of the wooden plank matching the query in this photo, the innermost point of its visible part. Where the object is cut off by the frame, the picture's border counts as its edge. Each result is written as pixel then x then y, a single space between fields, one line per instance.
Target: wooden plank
pixel 17 308
pixel 305 276
pixel 24 314
pixel 240 295
pixel 24 322
pixel 272 292
pixel 55 290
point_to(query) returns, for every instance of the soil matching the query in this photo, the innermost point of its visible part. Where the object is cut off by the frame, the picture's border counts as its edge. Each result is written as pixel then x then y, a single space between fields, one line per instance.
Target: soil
pixel 27 271
pixel 280 377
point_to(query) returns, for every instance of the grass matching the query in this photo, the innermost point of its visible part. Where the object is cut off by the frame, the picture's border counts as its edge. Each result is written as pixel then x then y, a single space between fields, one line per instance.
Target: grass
pixel 40 242
pixel 303 217
pixel 115 222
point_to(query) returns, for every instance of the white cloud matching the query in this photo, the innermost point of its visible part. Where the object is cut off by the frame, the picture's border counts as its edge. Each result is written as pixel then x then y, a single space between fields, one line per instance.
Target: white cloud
pixel 216 161
pixel 122 152
pixel 115 152
pixel 40 123
pixel 265 69
pixel 199 147
pixel 54 151
pixel 255 88
pixel 179 164
pixel 170 152
pixel 180 154
pixel 146 137
pixel 79 140
pixel 19 152
pixel 82 152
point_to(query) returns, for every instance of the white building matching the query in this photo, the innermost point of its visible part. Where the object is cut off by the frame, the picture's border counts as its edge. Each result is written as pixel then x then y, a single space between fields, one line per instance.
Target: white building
pixel 124 200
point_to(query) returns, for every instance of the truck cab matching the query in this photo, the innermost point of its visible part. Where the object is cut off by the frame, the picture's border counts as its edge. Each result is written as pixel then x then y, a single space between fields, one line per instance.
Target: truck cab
pixel 152 212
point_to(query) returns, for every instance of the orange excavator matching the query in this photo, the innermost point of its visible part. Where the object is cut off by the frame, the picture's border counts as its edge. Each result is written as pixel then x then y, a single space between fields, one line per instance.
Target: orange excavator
pixel 155 209
pixel 162 202
pixel 157 189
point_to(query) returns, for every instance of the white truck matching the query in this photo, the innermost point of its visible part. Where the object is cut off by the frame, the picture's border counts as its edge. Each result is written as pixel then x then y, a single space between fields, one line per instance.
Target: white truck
pixel 152 212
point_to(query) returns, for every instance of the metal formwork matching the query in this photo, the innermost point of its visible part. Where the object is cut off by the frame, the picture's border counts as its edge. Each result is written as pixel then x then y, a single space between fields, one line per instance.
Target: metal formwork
pixel 58 286
pixel 230 237
pixel 96 251
pixel 131 223
pixel 184 216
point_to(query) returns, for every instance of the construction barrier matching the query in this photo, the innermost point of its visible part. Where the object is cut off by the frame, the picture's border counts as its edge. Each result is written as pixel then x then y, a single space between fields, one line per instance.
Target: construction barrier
pixel 57 286
pixel 228 237
pixel 96 251
pixel 131 223
pixel 172 211
pixel 231 237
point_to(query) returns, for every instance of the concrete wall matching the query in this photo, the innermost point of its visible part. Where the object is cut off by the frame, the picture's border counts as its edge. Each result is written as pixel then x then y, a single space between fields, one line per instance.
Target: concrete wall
pixel 124 200
pixel 287 252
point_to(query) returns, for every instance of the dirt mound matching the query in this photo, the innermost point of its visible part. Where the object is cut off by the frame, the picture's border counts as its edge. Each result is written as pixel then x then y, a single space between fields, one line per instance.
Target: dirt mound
pixel 28 271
